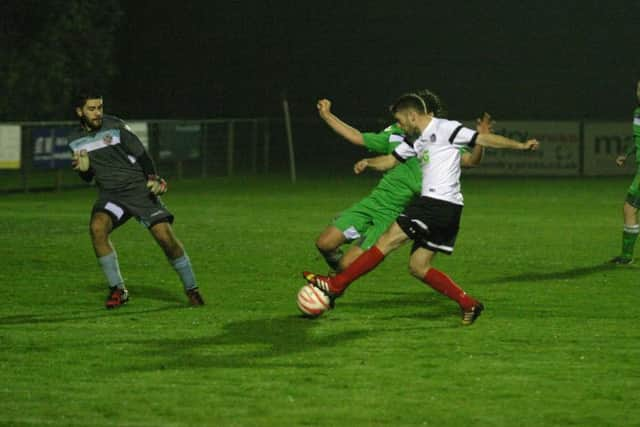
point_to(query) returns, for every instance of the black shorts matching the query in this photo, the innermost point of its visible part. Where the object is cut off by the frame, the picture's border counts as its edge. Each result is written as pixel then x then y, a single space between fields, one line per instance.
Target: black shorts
pixel 432 224
pixel 146 208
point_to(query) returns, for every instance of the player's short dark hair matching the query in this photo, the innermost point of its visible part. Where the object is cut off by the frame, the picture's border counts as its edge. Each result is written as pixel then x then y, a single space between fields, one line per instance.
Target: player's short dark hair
pixel 408 101
pixel 422 101
pixel 83 95
pixel 433 103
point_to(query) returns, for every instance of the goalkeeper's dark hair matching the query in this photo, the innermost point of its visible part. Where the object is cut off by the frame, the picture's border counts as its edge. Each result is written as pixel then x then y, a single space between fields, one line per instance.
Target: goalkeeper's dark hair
pixel 424 101
pixel 83 95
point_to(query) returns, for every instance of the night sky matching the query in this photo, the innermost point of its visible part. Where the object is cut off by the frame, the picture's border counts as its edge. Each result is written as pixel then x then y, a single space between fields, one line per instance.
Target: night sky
pixel 520 60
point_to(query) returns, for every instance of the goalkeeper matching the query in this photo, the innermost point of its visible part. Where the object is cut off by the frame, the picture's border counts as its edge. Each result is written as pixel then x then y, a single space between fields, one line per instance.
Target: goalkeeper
pixel 365 221
pixel 107 151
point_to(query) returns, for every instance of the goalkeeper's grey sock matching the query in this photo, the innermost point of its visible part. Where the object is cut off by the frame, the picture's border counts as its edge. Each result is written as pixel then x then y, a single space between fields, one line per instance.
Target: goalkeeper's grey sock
pixel 183 267
pixel 109 264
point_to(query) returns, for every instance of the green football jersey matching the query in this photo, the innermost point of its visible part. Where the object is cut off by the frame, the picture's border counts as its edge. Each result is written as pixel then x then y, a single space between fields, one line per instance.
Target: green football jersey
pixel 401 183
pixel 636 133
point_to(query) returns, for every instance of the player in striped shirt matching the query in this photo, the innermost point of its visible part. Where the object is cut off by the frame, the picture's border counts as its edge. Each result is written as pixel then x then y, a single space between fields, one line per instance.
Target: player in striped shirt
pixel 365 221
pixel 631 205
pixel 432 220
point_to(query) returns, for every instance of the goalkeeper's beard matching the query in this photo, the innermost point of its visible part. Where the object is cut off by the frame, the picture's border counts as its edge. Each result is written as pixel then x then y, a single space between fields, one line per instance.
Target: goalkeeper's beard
pixel 92 124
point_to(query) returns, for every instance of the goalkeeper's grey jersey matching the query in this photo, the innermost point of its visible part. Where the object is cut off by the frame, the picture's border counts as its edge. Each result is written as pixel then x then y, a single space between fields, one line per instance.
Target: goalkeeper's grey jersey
pixel 113 151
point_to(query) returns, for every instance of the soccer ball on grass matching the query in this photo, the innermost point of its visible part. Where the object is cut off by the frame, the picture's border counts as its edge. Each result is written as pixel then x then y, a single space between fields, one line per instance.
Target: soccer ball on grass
pixel 312 302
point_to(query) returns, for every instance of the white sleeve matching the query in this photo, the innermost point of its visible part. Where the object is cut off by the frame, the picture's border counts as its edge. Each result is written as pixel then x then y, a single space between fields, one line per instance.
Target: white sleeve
pixel 461 135
pixel 403 152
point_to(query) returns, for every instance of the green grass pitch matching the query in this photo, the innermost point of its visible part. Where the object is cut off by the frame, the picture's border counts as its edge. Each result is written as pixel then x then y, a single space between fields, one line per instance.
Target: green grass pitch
pixel 558 344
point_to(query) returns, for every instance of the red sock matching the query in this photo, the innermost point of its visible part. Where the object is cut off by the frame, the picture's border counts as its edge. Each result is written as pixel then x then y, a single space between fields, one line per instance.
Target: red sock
pixel 443 284
pixel 361 266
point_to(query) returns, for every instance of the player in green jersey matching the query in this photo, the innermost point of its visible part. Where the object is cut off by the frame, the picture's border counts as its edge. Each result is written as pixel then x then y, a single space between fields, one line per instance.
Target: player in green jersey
pixel 632 202
pixel 107 151
pixel 431 221
pixel 365 221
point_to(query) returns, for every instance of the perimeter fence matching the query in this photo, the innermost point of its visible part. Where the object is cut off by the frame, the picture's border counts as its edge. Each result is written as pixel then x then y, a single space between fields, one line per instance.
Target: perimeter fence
pixel 34 155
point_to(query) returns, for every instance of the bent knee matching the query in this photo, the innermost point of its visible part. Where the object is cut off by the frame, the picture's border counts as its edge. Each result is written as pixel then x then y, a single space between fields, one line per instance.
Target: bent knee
pixel 414 271
pixel 418 270
pixel 99 230
pixel 327 243
pixel 324 245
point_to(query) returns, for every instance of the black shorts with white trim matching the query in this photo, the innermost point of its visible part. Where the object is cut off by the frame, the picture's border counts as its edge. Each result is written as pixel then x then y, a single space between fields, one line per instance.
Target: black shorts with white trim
pixel 432 224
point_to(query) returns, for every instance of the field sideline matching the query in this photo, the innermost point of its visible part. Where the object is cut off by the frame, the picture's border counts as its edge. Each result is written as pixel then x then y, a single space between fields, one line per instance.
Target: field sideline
pixel 558 344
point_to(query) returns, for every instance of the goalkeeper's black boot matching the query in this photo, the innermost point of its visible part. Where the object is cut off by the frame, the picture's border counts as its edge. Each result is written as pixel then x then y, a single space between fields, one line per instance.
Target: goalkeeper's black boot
pixel 117 297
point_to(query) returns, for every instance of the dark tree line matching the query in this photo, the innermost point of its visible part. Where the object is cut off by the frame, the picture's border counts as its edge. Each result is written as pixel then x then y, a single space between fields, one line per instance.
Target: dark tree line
pixel 49 49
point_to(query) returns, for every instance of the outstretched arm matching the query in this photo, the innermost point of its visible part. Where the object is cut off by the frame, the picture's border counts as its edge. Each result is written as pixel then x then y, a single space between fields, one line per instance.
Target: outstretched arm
pixel 349 133
pixel 380 163
pixel 472 159
pixel 498 141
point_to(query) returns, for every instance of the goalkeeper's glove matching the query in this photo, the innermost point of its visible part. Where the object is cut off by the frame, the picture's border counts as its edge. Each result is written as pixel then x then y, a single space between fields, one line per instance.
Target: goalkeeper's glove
pixel 80 161
pixel 156 185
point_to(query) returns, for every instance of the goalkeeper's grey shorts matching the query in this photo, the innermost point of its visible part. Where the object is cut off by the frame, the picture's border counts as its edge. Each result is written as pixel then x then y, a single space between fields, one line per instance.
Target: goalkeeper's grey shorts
pixel 148 209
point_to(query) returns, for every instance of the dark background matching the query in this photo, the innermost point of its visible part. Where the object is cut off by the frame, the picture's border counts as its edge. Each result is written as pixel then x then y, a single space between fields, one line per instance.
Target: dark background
pixel 199 59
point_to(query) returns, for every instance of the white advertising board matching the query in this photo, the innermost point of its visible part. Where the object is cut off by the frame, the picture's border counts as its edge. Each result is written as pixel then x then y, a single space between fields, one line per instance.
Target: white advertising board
pixel 559 153
pixel 603 142
pixel 10 146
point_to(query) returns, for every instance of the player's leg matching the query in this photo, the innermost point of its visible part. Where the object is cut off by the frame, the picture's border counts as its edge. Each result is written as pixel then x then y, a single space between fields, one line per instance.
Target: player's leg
pixel 152 213
pixel 433 226
pixel 349 256
pixel 100 226
pixel 631 228
pixel 420 262
pixel 336 285
pixel 421 268
pixel 164 235
pixel 328 244
pixel 391 240
pixel 394 237
pixel 382 221
pixel 350 225
pixel 173 249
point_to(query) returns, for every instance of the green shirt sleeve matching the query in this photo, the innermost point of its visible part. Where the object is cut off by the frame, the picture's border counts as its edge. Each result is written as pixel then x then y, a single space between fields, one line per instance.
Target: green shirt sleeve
pixel 636 135
pixel 383 142
pixel 632 148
